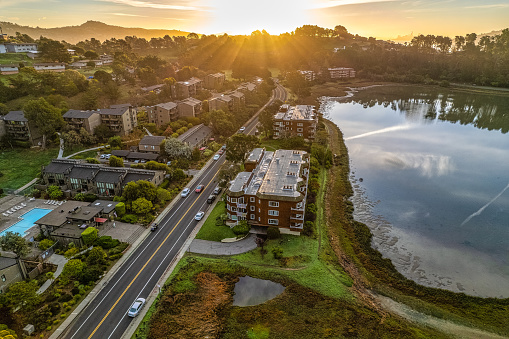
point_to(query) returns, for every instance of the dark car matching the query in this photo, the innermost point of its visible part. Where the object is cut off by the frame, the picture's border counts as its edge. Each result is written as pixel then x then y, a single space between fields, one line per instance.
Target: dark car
pixel 199 188
pixel 217 190
pixel 154 227
pixel 211 199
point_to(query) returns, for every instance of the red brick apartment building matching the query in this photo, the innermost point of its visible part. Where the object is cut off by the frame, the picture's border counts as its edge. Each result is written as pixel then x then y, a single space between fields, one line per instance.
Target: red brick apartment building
pixel 273 193
pixel 300 120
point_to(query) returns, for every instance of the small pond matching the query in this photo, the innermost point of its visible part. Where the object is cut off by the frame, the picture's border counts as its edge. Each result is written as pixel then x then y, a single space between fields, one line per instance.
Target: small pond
pixel 251 291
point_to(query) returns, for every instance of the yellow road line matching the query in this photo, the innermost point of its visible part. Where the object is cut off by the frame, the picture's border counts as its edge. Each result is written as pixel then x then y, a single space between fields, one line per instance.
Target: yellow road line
pixel 148 261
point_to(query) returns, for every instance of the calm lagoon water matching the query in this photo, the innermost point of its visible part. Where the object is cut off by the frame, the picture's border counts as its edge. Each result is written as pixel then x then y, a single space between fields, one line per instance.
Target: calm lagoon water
pixel 251 291
pixel 430 168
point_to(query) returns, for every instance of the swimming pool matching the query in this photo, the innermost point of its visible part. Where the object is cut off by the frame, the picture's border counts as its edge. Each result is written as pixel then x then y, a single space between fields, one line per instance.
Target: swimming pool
pixel 27 221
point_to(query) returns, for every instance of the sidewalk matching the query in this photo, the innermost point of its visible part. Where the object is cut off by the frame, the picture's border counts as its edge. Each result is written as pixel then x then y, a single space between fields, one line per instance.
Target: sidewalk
pixel 58 260
pixel 221 248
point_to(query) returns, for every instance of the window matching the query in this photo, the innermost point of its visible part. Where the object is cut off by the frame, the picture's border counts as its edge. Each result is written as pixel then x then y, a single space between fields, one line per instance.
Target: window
pixel 287 123
pixel 273 221
pixel 253 208
pixel 252 199
pixel 240 200
pixel 274 213
pixel 299 129
pixel 299 124
pixel 273 203
pixel 153 147
pixel 233 209
pixel 234 200
pixel 252 216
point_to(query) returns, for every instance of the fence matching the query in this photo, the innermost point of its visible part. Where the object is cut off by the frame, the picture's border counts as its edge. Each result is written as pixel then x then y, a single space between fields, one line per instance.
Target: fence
pixel 49 251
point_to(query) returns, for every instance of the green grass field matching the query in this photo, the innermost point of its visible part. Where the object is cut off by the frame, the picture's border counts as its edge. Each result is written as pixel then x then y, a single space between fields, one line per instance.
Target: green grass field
pixel 19 166
pixel 15 58
pixel 209 230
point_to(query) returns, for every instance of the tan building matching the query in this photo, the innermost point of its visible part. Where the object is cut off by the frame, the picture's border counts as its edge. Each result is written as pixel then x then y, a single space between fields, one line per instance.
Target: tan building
pixel 273 194
pixel 162 114
pixel 221 102
pixel 50 66
pixel 151 144
pixel 121 120
pixel 300 120
pixel 189 107
pixel 11 270
pixel 77 119
pixel 214 81
pixel 18 128
pixel 189 88
pixel 341 72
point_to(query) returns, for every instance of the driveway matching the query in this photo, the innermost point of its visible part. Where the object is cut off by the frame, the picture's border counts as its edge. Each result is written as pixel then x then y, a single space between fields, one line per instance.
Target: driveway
pixel 222 248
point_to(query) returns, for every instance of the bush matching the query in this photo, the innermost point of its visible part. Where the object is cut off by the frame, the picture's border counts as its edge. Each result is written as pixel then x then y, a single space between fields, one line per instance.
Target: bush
pixel 45 244
pixel 115 256
pixel 54 308
pixel 107 242
pixel 74 291
pixel 130 218
pixel 89 235
pixel 242 228
pixel 309 228
pixel 79 197
pixel 71 252
pixel 277 252
pixel 273 233
pixel 65 297
pixel 120 209
pixel 90 197
pixel 54 192
pixel 92 161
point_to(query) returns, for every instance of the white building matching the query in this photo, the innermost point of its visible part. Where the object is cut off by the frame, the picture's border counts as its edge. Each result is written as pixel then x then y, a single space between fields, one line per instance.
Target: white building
pixel 50 66
pixel 8 69
pixel 341 72
pixel 3 49
pixel 20 48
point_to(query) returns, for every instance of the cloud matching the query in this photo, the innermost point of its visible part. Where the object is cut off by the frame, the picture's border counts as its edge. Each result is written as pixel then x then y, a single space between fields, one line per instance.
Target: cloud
pixel 146 16
pixel 126 14
pixel 489 6
pixel 146 4
pixel 335 3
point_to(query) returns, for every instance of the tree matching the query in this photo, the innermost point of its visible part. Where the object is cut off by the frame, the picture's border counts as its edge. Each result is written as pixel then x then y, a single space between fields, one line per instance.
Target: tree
pixel 222 122
pixel 227 173
pixel 102 76
pixel 91 55
pixel 115 142
pixel 176 149
pixel 13 242
pixel 242 228
pixel 116 161
pixel 54 192
pixel 72 270
pixel 44 116
pixel 141 206
pixel 139 189
pixel 103 132
pixel 52 50
pixel 96 256
pixel 238 145
pixel 22 294
pixel 3 109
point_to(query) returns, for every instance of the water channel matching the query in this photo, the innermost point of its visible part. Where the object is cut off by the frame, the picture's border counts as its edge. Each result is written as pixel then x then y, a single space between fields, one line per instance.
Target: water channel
pixel 430 169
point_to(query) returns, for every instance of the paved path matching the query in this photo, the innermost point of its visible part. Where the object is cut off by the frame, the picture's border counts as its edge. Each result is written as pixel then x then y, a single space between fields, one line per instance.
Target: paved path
pixel 55 259
pixel 85 150
pixel 221 248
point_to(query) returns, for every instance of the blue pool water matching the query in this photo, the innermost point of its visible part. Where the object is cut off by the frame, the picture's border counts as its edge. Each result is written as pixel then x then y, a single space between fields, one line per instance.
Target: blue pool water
pixel 27 221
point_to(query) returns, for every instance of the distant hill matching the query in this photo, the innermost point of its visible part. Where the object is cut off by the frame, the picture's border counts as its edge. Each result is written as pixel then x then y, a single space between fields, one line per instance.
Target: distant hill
pixel 90 29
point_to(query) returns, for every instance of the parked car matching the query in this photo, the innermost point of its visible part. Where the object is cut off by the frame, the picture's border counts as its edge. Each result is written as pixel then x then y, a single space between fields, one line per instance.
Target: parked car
pixel 211 199
pixel 107 156
pixel 143 161
pixel 199 215
pixel 217 190
pixel 199 188
pixel 223 147
pixel 136 307
pixel 103 156
pixel 154 227
pixel 217 156
pixel 185 192
pixel 168 163
pixel 220 152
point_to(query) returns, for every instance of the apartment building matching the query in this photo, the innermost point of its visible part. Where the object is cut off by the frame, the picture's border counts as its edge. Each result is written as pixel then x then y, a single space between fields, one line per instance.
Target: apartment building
pixel 189 88
pixel 273 194
pixel 162 114
pixel 106 59
pixel 300 120
pixel 77 119
pixel 308 75
pixel 18 128
pixel 214 81
pixel 341 72
pixel 121 119
pixel 233 101
pixel 189 107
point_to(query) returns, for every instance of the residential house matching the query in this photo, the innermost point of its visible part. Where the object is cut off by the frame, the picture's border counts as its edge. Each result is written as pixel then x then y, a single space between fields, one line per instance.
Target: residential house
pixel 75 177
pixel 50 66
pixel 189 88
pixel 77 119
pixel 162 114
pixel 214 81
pixel 189 107
pixel 107 208
pixel 18 128
pixel 197 136
pixel 11 270
pixel 71 51
pixel 84 63
pixel 20 48
pixel 300 120
pixel 273 194
pixel 106 59
pixel 341 72
pixel 9 69
pixel 151 144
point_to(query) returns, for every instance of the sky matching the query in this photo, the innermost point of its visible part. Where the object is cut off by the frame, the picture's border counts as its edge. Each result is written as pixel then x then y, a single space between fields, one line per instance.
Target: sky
pixel 383 19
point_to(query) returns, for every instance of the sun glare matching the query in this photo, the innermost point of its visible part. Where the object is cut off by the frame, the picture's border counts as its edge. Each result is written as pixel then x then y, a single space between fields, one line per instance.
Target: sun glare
pixel 244 17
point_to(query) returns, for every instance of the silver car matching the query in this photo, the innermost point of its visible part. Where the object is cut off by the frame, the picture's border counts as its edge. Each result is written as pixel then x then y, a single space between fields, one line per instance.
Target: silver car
pixel 185 192
pixel 136 307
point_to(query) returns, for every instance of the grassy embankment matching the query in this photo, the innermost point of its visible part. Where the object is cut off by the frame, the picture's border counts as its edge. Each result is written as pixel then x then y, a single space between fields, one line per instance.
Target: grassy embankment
pixel 197 298
pixel 19 166
pixel 351 242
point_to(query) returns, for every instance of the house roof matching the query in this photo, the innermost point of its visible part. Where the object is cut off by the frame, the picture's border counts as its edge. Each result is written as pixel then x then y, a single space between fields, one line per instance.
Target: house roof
pixel 192 81
pixel 10 65
pixel 109 176
pixel 83 172
pixel 74 113
pixel 106 205
pixel 58 216
pixel 59 167
pixel 120 153
pixel 152 140
pixel 142 155
pixel 6 262
pixel 122 106
pixel 190 101
pixel 49 64
pixel 85 213
pixel 15 116
pixel 167 105
pixel 195 135
pixel 112 111
pixel 134 176
pixel 151 88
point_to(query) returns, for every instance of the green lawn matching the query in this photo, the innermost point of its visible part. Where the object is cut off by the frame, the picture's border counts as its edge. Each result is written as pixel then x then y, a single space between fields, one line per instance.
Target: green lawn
pixel 84 155
pixel 90 71
pixel 20 166
pixel 209 230
pixel 15 58
pixel 271 144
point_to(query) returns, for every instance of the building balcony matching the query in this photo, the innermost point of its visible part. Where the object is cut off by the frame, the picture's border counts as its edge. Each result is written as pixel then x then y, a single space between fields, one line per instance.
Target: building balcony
pixel 297 217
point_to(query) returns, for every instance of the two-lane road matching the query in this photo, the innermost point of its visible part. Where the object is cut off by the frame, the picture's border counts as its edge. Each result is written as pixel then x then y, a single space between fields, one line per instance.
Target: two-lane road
pixel 106 316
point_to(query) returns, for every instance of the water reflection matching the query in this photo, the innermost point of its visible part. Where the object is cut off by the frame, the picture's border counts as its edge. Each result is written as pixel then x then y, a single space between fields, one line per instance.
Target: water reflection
pixel 251 291
pixel 433 190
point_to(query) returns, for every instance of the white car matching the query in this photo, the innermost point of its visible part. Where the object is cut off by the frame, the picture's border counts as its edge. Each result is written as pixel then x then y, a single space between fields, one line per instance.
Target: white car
pixel 216 157
pixel 199 215
pixel 185 192
pixel 136 307
pixel 242 129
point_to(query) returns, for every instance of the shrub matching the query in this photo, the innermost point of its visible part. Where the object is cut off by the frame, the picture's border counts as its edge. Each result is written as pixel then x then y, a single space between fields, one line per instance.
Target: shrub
pixel 48 328
pixel 89 235
pixel 65 297
pixel 63 315
pixel 115 256
pixel 130 218
pixel 107 242
pixel 54 308
pixel 309 228
pixel 89 274
pixel 45 244
pixel 277 252
pixel 54 192
pixel 242 228
pixel 74 291
pixel 90 197
pixel 120 209
pixel 273 233
pixel 92 161
pixel 79 197
pixel 71 252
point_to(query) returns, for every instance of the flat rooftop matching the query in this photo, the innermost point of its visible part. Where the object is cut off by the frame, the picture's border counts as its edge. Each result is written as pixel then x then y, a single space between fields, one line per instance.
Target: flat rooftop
pixel 240 182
